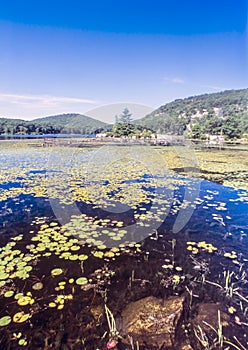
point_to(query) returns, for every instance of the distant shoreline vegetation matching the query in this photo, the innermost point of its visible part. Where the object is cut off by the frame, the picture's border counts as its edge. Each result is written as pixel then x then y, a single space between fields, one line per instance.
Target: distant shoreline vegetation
pixel 8 127
pixel 224 114
pixel 40 136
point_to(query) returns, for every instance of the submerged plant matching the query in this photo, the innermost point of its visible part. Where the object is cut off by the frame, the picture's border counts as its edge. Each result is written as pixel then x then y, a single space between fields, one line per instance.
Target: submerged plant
pixel 202 337
pixel 113 332
pixel 220 340
pixel 228 283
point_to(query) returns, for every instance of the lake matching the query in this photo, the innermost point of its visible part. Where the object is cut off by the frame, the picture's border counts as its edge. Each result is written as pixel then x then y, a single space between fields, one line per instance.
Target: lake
pixel 92 236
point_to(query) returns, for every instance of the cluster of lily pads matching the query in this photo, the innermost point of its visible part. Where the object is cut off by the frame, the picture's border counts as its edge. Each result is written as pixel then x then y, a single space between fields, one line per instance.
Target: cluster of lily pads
pixel 45 241
pixel 13 262
pixel 40 172
pixel 227 166
pixel 196 247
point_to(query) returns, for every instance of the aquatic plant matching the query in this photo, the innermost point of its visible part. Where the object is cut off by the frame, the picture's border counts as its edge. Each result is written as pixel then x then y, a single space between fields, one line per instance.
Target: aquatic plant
pixel 81 281
pixel 56 272
pixel 202 337
pixel 113 332
pixel 21 317
pixel 5 320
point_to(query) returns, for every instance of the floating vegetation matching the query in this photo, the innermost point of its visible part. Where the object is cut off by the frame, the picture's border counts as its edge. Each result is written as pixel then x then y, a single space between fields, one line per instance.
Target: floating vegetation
pixel 81 281
pixel 25 300
pixel 194 247
pixel 5 320
pixel 60 301
pixel 56 272
pixel 37 286
pixel 9 294
pixel 232 255
pixel 21 317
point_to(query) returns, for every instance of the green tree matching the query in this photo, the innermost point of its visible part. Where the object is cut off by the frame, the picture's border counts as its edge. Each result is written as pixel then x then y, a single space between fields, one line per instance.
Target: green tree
pixel 123 125
pixel 232 127
pixel 196 131
pixel 147 134
pixel 125 117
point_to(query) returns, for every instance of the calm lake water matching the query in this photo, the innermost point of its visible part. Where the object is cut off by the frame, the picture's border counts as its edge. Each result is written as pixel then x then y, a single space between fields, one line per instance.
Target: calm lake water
pixel 81 228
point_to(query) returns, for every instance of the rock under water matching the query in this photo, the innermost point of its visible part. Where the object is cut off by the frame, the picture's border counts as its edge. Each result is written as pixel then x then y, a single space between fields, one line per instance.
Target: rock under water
pixel 152 321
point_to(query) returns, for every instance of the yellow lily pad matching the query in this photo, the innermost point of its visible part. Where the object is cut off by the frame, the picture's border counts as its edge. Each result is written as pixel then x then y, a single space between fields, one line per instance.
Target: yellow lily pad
pixel 56 272
pixel 24 301
pixel 52 304
pixel 21 317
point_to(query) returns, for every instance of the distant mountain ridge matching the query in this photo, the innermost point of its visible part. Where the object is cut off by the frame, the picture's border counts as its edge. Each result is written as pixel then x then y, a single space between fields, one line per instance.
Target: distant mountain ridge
pixel 63 123
pixel 182 114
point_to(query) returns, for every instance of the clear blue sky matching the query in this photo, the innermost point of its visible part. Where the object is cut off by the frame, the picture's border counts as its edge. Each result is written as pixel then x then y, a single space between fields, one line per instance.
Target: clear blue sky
pixel 74 56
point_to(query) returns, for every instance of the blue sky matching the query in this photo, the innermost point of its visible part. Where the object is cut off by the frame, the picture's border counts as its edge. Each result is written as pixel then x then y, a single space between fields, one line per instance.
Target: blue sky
pixel 75 56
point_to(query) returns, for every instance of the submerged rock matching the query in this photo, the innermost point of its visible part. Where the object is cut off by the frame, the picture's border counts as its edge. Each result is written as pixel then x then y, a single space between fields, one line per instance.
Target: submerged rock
pixel 152 321
pixel 207 317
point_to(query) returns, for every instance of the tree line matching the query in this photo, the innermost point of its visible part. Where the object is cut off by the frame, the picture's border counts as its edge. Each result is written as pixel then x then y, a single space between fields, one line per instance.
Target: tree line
pixel 11 127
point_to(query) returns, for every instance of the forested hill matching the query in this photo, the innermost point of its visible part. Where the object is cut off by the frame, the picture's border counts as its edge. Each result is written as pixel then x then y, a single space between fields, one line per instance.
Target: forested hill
pixel 64 123
pixel 209 113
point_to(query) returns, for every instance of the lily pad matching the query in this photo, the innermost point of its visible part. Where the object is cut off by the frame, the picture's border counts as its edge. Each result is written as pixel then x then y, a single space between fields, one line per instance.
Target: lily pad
pixel 109 254
pixel 81 281
pixel 24 301
pixel 83 257
pixel 21 317
pixel 18 296
pixel 3 276
pixel 56 272
pixel 9 293
pixel 4 321
pixel 37 286
pixel 52 304
pixel 22 342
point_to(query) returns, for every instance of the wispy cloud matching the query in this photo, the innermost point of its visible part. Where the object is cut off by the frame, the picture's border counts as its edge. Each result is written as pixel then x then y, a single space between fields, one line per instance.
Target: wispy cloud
pixel 42 100
pixel 175 80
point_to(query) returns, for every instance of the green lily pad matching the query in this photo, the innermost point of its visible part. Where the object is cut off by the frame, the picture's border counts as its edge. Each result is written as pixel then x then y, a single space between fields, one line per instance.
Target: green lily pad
pixel 4 321
pixel 3 276
pixel 53 224
pixel 22 274
pixel 83 257
pixel 73 257
pixel 22 342
pixel 56 272
pixel 9 293
pixel 18 296
pixel 81 281
pixel 75 247
pixel 178 268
